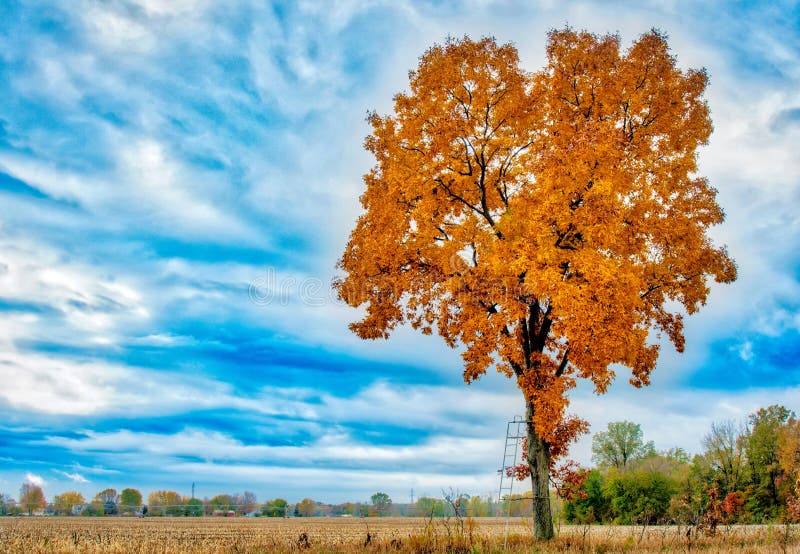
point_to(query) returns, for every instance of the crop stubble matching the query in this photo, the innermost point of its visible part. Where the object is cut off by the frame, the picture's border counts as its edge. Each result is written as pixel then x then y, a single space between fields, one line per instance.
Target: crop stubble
pixel 216 535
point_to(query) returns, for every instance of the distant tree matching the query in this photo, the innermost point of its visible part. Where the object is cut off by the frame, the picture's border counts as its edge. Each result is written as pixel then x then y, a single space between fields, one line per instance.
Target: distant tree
pixel 724 451
pixel 248 502
pixel 11 507
pixel 478 506
pixel 688 494
pixel 638 496
pixel 194 507
pixel 620 444
pixel 336 510
pixel 222 502
pixel 762 454
pixel 685 508
pixel 427 507
pixel 130 500
pixel 677 454
pixel 176 505
pixel 107 495
pixel 31 498
pixel 3 505
pixel 108 498
pixel 459 505
pixel 702 477
pixel 93 509
pixel 789 448
pixel 275 508
pixel 518 505
pixel 382 503
pixel 732 506
pixel 164 502
pixel 306 507
pixel 64 502
pixel 593 506
pixel 456 502
pixel 674 465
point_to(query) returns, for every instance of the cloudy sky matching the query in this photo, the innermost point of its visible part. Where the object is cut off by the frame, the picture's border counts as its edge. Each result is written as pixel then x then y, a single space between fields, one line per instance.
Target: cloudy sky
pixel 178 179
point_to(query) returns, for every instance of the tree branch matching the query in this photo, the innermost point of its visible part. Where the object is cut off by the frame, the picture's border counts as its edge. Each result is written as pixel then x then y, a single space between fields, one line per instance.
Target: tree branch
pixel 544 330
pixel 563 365
pixel 526 342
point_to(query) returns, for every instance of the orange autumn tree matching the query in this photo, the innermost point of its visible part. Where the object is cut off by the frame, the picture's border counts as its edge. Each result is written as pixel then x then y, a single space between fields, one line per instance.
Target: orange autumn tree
pixel 544 222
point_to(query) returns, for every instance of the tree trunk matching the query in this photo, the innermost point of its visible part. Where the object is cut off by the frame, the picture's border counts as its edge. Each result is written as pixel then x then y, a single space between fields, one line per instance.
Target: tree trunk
pixel 539 462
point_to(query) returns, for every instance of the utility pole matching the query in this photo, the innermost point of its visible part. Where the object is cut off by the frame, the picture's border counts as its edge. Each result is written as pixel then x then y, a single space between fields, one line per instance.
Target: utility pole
pixel 192 490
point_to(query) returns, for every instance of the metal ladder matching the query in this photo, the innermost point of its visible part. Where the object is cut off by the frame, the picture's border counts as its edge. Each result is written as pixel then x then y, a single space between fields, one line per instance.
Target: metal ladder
pixel 516 430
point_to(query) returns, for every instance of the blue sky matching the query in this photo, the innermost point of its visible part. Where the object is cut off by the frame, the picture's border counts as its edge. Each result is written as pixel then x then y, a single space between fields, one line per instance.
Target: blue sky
pixel 177 181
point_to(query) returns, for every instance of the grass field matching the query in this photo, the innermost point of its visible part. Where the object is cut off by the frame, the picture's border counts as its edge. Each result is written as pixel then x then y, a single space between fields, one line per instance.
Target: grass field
pixel 216 535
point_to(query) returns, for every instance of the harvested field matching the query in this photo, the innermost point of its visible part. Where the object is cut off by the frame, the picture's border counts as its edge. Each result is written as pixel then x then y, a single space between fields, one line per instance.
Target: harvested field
pixel 213 535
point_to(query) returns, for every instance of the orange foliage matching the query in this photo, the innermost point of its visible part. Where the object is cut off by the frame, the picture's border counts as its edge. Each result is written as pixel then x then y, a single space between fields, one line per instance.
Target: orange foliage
pixel 733 503
pixel 545 222
pixel 567 478
pixel 713 514
pixel 793 504
pixel 789 447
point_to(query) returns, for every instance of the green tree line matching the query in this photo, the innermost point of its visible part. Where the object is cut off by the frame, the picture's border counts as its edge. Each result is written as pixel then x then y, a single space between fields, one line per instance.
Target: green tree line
pixel 747 472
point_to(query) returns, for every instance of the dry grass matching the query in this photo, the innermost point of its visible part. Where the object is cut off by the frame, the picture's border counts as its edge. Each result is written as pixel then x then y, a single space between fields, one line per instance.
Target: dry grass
pixel 481 535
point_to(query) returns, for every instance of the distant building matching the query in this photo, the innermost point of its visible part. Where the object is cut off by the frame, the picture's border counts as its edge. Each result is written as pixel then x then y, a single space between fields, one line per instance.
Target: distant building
pixel 223 513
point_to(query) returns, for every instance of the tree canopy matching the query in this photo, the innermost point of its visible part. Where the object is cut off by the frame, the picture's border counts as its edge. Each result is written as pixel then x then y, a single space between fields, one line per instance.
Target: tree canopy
pixel 620 444
pixel 544 222
pixel 306 507
pixel 130 498
pixel 381 502
pixel 65 502
pixel 107 495
pixel 31 497
pixel 275 508
pixel 164 502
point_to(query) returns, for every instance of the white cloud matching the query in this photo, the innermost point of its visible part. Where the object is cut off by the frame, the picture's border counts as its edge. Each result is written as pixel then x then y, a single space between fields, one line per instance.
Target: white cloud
pixel 335 449
pixel 335 468
pixel 74 477
pixel 297 64
pixel 165 191
pixel 164 339
pixel 96 470
pixel 147 187
pixel 459 407
pixel 119 30
pixel 92 305
pixel 40 384
pixel 43 384
pixel 174 7
pixel 112 30
pixel 34 479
